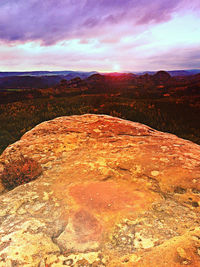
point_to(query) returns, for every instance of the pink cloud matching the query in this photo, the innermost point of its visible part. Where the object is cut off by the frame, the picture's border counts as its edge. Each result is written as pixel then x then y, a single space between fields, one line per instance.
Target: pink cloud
pixel 50 21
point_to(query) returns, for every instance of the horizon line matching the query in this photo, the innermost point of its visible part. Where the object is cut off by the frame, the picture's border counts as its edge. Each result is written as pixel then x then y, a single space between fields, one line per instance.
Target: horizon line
pixel 105 71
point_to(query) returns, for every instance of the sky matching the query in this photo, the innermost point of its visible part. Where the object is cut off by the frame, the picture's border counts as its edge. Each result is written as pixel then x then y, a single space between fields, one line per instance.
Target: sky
pixel 100 35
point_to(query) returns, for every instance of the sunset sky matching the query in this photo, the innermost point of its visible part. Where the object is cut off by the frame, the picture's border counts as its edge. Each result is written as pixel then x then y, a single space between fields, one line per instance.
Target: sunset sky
pixel 101 35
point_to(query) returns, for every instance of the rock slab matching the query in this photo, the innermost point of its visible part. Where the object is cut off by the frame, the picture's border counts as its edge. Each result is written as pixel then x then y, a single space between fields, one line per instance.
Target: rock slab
pixel 111 193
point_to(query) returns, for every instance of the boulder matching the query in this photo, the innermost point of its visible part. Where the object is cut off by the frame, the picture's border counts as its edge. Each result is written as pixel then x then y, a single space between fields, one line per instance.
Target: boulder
pixel 111 193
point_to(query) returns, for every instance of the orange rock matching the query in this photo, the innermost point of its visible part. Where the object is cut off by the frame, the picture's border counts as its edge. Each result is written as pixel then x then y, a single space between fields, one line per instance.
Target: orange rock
pixel 111 193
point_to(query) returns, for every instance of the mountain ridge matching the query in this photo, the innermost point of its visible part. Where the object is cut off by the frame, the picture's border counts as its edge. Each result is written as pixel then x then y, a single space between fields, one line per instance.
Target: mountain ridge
pixel 45 73
pixel 85 74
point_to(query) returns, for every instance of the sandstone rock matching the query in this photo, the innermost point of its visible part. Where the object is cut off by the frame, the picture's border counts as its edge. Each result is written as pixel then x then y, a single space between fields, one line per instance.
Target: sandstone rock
pixel 111 193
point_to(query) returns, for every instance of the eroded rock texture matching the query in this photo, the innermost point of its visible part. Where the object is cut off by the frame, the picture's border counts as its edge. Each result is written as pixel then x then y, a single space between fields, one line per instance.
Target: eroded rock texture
pixel 111 193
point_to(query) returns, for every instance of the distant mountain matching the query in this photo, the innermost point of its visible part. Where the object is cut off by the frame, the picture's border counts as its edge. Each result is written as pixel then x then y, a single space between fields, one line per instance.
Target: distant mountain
pixel 172 72
pixel 68 73
pixel 47 79
pixel 144 72
pixel 180 73
pixel 38 79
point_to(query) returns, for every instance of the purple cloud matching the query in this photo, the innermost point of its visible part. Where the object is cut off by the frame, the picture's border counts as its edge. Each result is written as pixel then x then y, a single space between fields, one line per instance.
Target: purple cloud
pixel 176 58
pixel 50 21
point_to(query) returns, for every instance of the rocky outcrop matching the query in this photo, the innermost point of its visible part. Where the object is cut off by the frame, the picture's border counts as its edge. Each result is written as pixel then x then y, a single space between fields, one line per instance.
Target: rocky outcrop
pixel 161 76
pixel 111 193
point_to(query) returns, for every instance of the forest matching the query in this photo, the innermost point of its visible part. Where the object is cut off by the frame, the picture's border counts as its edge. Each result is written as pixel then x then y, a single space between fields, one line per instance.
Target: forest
pixel 164 102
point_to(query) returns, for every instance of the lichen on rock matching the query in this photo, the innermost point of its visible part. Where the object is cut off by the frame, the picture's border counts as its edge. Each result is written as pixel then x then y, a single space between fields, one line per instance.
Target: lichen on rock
pixel 103 192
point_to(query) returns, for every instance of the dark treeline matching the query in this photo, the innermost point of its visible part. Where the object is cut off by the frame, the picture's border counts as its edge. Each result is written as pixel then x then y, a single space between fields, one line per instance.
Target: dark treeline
pixel 170 104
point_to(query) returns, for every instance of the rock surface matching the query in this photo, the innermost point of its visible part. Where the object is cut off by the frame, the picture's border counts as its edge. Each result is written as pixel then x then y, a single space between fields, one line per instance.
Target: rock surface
pixel 111 193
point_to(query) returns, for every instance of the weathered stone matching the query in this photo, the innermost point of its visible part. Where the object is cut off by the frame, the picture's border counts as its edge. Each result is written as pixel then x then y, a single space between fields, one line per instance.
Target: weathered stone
pixel 111 193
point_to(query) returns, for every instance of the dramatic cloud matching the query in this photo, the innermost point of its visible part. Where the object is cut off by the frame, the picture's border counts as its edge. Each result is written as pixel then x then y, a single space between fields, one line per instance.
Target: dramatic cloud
pixel 50 21
pixel 177 58
pixel 102 35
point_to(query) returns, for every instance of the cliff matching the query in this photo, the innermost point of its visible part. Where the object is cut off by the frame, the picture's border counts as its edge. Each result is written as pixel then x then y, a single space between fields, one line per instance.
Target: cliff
pixel 105 192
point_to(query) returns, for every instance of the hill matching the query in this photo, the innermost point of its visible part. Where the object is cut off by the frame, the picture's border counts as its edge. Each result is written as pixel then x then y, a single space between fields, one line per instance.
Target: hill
pixel 173 72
